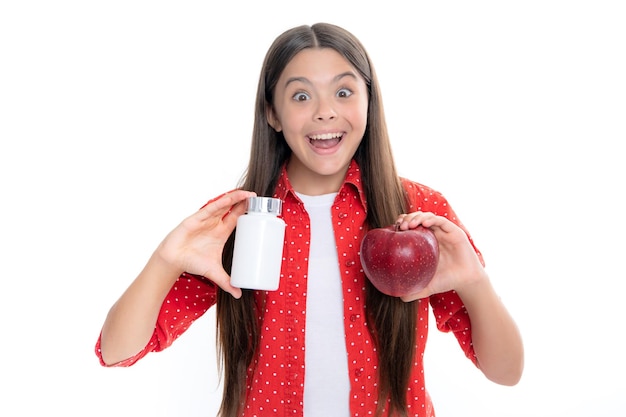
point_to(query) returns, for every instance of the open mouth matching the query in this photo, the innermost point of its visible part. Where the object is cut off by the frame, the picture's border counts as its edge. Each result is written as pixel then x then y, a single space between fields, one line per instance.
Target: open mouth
pixel 326 140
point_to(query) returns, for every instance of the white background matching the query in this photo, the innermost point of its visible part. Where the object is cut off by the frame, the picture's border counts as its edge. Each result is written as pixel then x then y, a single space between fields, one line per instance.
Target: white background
pixel 119 118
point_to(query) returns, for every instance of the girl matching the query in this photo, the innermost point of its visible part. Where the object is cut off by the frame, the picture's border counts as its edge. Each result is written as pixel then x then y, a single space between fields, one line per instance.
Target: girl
pixel 326 343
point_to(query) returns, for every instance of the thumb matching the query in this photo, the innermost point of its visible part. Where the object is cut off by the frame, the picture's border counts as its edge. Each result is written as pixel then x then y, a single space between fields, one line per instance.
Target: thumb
pixel 425 293
pixel 222 280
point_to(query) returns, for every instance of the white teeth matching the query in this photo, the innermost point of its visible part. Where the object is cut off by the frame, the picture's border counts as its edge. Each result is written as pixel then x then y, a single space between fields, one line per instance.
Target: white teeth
pixel 326 136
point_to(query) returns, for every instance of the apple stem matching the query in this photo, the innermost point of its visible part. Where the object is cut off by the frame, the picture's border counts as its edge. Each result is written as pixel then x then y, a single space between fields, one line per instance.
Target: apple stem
pixel 397 226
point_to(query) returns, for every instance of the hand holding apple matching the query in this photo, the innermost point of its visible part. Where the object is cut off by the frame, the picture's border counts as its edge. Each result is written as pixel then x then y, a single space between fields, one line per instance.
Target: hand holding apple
pixel 399 262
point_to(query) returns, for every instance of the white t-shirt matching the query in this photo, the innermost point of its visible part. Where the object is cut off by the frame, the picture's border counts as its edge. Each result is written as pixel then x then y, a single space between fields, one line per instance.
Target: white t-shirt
pixel 326 381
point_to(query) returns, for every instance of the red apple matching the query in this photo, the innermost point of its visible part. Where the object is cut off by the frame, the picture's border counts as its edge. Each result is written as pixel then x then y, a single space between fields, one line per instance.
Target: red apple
pixel 399 262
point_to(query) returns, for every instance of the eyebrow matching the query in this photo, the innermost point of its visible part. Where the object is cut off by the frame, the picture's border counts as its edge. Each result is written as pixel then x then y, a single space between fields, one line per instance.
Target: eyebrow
pixel 335 79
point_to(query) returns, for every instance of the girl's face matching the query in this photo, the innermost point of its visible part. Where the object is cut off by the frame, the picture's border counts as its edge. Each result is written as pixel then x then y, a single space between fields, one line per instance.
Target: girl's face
pixel 320 105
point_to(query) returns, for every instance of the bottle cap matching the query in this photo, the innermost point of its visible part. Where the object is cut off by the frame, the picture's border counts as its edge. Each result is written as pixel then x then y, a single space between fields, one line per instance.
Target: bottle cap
pixel 264 205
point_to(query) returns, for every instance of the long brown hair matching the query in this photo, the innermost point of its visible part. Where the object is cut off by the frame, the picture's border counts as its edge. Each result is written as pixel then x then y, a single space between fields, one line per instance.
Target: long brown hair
pixel 392 321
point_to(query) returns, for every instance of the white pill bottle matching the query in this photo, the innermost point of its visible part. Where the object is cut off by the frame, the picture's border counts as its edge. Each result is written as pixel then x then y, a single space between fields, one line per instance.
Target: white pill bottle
pixel 258 250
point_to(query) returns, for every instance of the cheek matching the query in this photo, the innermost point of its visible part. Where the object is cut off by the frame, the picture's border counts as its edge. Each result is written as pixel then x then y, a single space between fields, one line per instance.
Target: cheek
pixel 358 116
pixel 294 121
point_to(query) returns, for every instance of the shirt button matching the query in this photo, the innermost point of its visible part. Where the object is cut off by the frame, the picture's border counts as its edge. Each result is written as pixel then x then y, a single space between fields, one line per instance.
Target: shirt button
pixel 343 215
pixel 354 317
pixel 358 372
pixel 350 263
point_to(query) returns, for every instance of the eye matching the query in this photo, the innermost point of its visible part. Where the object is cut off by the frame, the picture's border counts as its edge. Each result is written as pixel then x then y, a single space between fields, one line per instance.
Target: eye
pixel 344 93
pixel 301 96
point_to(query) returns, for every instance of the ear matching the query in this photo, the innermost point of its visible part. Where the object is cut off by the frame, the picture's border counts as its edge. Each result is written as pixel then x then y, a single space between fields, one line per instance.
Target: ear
pixel 272 120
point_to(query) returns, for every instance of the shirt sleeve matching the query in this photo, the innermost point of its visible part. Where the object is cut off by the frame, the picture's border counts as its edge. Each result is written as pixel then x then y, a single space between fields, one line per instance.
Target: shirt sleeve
pixel 189 298
pixel 451 316
pixel 448 309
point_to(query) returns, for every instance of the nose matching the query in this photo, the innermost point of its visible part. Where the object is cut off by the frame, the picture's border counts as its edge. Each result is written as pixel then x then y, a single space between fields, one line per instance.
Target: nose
pixel 325 110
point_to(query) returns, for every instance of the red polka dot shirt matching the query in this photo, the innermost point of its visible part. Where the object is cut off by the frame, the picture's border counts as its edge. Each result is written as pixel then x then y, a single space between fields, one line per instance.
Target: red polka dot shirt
pixel 276 382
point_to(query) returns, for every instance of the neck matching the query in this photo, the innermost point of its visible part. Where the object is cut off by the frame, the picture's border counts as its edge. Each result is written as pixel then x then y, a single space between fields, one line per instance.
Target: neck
pixel 312 183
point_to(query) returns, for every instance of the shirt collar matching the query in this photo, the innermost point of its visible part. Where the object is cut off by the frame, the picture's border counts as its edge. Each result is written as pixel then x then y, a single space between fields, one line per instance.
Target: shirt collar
pixel 352 181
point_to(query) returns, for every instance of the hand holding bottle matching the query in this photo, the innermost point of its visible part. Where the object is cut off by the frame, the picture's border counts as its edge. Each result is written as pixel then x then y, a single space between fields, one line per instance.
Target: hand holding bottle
pixel 196 244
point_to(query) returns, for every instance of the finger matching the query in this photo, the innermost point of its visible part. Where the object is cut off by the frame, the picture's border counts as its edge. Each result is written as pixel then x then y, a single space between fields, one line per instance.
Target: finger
pixel 222 280
pixel 222 205
pixel 412 297
pixel 412 220
pixel 239 208
pixel 235 292
pixel 239 196
pixel 224 194
pixel 425 219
